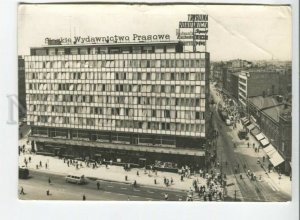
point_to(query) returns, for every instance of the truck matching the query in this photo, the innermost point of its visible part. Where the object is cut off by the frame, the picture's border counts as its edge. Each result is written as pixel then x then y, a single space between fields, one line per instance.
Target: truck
pixel 243 134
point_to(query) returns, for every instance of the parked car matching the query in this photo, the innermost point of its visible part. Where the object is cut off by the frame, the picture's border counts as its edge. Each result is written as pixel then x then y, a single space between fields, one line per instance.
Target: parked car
pixel 23 173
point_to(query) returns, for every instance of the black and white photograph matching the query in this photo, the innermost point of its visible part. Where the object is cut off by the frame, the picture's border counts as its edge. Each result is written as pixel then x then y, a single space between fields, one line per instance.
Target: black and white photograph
pixel 140 102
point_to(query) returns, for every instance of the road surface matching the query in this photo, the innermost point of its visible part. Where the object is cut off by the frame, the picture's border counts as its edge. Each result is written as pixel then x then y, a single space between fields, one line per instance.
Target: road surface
pixel 256 191
pixel 36 186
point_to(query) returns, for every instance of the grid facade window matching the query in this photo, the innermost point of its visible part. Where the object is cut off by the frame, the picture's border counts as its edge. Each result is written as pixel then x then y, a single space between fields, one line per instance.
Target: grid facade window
pixel 155 93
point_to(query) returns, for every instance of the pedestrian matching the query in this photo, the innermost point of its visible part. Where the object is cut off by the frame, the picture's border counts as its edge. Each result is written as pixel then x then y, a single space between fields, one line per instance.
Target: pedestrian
pixel 22 191
pixel 40 163
pixel 248 144
pixel 83 197
pixel 48 192
pixel 264 158
pixel 29 159
pixel 37 166
pixel 46 165
pixel 137 173
pixel 155 181
pixel 98 185
pixel 166 196
pixel 68 163
pixel 49 180
pixel 253 145
pixel 171 180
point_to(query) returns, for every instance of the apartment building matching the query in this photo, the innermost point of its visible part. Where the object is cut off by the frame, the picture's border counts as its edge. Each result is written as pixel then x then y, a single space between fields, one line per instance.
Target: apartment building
pixel 257 82
pixel 119 101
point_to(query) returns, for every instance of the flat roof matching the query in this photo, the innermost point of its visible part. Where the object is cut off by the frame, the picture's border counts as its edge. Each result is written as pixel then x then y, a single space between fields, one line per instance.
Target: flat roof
pixel 111 44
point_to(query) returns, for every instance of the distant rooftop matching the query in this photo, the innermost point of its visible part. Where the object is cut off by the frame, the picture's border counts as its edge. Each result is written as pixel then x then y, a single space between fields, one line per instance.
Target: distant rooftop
pixel 276 111
pixel 263 102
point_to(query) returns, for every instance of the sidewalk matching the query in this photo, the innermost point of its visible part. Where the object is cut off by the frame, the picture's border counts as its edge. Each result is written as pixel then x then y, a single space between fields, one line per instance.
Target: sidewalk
pixel 284 184
pixel 112 173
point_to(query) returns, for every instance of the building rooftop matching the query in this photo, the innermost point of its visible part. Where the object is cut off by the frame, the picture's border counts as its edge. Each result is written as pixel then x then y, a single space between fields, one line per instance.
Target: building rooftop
pixel 111 44
pixel 263 102
pixel 276 111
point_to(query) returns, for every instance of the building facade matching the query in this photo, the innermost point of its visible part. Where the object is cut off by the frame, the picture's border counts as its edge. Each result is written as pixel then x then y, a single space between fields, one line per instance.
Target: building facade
pixel 21 87
pixel 257 83
pixel 127 101
pixel 273 117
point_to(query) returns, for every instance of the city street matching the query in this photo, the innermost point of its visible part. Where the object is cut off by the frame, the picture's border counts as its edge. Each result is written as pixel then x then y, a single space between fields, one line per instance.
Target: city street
pixel 243 158
pixel 36 186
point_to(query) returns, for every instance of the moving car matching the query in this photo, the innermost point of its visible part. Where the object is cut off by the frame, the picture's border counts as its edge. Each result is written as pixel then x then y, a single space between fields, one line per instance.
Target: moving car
pixel 228 122
pixel 74 178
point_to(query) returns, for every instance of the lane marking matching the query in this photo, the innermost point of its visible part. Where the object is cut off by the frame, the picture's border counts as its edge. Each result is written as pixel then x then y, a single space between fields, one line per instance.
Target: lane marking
pixel 123 188
pixel 107 192
pixel 110 186
pixel 136 190
pixel 150 191
pixel 134 196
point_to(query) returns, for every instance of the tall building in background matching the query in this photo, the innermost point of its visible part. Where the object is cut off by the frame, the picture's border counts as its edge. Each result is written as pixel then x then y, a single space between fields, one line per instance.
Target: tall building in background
pixel 21 87
pixel 257 83
pixel 129 102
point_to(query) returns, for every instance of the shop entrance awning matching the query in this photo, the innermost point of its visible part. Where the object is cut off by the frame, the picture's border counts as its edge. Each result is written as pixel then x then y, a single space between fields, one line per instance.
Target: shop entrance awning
pixel 255 131
pixel 276 159
pixel 250 127
pixel 259 136
pixel 269 150
pixel 264 142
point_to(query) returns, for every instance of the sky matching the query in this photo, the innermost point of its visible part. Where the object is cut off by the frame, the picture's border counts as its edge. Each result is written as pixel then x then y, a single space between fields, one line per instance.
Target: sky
pixel 234 32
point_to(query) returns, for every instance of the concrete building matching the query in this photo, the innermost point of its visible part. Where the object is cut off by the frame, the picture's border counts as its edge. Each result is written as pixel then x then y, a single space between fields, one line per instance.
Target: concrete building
pixel 257 83
pixel 21 87
pixel 131 102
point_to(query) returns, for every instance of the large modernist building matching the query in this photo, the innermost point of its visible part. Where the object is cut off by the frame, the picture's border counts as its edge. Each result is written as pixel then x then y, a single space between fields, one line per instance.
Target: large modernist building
pixel 119 101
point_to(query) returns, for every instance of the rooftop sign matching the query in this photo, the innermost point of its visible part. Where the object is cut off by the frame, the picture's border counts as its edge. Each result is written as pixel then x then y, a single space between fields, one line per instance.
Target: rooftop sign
pixel 194 31
pixel 107 39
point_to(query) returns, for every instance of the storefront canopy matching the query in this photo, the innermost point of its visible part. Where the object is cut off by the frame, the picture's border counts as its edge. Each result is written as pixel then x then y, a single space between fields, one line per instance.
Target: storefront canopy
pixel 269 150
pixel 244 120
pixel 250 127
pixel 276 159
pixel 255 131
pixel 260 136
pixel 264 142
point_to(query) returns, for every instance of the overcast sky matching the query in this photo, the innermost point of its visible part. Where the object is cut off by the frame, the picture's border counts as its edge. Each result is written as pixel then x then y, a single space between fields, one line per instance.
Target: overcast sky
pixel 245 32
